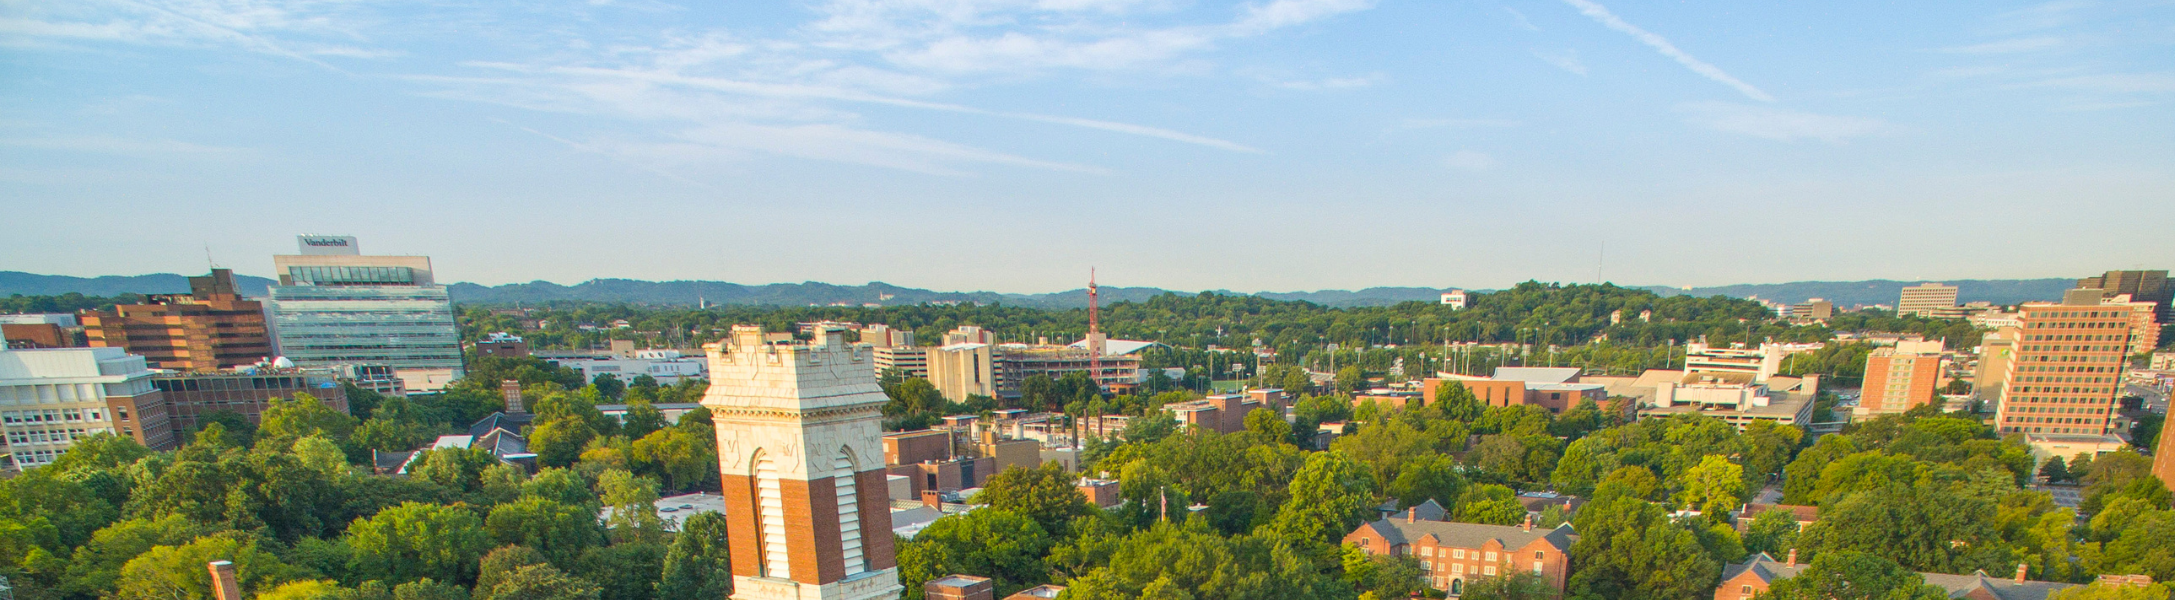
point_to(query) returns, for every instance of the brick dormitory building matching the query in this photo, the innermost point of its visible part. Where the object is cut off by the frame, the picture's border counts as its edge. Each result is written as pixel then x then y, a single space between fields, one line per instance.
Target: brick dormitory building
pixel 1452 554
pixel 1455 555
pixel 1749 579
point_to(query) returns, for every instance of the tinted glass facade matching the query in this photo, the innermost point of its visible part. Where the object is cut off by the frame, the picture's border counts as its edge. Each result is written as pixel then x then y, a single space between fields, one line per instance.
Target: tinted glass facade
pixel 399 326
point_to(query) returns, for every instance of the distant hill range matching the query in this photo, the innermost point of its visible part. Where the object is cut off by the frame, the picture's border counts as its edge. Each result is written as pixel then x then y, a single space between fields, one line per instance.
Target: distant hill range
pixel 801 294
pixel 1842 293
pixel 29 284
pixel 1846 294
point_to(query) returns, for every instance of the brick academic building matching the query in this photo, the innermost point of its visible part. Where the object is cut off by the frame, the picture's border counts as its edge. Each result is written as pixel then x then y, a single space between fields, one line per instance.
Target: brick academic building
pixel 208 329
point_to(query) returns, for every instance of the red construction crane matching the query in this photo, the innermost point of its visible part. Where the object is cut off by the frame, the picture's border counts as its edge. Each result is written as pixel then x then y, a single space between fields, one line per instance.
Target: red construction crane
pixel 1095 350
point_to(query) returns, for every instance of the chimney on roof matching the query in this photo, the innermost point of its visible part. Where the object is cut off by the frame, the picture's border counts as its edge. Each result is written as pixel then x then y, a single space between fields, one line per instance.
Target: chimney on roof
pixel 512 389
pixel 2021 570
pixel 1529 522
pixel 224 584
pixel 932 499
pixel 1412 515
pixel 1793 558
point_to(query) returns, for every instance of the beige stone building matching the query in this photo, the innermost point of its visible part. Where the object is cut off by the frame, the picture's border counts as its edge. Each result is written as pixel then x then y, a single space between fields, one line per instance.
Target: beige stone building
pixel 1996 351
pixel 1927 300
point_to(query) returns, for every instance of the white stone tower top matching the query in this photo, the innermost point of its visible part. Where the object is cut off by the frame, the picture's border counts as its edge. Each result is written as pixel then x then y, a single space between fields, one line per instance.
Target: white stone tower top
pixel 747 372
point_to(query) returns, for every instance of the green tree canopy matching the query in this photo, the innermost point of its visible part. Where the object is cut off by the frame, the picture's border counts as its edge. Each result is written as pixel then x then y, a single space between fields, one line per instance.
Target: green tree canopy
pixel 1046 494
pixel 414 541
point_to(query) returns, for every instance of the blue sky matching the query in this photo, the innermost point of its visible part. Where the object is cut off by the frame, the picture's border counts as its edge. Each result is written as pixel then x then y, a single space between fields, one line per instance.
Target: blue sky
pixel 1011 144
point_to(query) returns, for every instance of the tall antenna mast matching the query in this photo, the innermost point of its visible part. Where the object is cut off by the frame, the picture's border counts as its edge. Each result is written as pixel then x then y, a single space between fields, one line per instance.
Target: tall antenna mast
pixel 1094 337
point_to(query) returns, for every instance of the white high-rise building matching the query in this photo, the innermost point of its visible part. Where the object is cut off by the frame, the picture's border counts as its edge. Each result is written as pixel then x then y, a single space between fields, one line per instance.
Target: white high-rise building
pixel 1927 299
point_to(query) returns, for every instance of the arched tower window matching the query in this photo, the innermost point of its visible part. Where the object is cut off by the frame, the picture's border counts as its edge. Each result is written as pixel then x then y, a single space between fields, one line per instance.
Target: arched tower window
pixel 770 518
pixel 844 474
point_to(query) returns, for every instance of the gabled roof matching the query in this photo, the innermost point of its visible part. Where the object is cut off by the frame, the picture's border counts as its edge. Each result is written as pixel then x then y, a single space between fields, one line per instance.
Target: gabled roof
pixel 1428 511
pixel 1472 535
pixel 1763 566
pixel 501 443
pixel 1963 586
pixel 389 461
pixel 500 420
pixel 1976 585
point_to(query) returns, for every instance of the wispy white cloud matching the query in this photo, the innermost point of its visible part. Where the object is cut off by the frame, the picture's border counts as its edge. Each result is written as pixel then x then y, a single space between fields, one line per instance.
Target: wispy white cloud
pixel 2106 105
pixel 122 146
pixel 1522 20
pixel 301 30
pixel 709 93
pixel 1457 123
pixel 614 156
pixel 2037 17
pixel 584 78
pixel 1602 15
pixel 1283 80
pixel 2114 83
pixel 1470 160
pixel 834 142
pixel 2008 46
pixel 1779 124
pixel 966 37
pixel 1566 60
pixel 1279 14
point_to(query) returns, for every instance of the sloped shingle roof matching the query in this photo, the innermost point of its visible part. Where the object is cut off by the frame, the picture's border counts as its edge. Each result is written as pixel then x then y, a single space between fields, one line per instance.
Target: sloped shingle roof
pixel 1472 535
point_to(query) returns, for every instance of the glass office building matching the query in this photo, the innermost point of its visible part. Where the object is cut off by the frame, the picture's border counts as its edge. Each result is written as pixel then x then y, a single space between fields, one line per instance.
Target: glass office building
pixel 401 327
pixel 335 308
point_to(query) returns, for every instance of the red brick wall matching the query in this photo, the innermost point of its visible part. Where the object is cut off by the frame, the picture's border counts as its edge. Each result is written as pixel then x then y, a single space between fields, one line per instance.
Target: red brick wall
pixel 918 447
pixel 1733 589
pixel 1498 393
pixel 739 493
pixel 1367 540
pixel 876 521
pixel 1489 392
pixel 803 554
pixel 811 523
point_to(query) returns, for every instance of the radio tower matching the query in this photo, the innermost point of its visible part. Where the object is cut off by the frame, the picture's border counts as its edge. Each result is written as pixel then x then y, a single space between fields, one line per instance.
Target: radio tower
pixel 1094 337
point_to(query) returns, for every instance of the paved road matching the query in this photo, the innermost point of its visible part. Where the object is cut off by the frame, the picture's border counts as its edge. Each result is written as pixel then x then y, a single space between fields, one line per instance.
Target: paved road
pixel 2155 401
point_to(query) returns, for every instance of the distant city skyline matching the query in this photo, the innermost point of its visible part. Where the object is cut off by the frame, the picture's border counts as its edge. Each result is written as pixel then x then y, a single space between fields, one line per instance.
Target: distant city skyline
pixel 1010 145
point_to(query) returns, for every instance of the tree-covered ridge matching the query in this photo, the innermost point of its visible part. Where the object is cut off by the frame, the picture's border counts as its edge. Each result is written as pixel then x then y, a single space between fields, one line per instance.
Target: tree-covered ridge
pixel 1536 313
pixel 64 303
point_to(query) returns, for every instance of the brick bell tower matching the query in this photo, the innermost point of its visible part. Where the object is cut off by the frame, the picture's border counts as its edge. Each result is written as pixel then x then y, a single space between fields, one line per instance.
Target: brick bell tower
pixel 800 452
